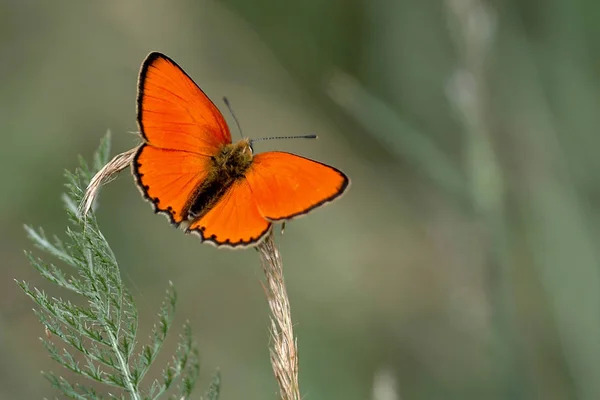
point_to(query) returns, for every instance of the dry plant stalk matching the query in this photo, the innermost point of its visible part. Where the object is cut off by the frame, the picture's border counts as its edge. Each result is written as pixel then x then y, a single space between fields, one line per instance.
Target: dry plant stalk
pixel 105 175
pixel 284 350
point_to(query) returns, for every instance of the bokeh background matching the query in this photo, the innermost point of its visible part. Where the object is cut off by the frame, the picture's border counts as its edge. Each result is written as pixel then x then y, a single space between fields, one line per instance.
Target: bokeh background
pixel 461 264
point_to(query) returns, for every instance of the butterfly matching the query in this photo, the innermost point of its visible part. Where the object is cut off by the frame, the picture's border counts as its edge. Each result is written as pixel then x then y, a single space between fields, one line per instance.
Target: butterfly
pixel 190 170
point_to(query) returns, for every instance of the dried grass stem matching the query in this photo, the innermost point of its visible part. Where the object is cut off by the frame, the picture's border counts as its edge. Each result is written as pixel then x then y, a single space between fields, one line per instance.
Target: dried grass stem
pixel 284 347
pixel 103 176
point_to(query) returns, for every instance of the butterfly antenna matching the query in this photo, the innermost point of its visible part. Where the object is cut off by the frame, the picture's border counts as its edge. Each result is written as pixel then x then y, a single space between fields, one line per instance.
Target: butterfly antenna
pixel 226 101
pixel 312 136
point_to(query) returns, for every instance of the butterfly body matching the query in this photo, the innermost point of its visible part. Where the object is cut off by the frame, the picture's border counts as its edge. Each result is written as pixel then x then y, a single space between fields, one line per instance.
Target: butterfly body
pixel 229 165
pixel 191 171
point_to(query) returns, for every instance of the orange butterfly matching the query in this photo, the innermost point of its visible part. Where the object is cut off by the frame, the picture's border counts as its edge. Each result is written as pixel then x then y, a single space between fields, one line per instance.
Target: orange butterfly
pixel 191 171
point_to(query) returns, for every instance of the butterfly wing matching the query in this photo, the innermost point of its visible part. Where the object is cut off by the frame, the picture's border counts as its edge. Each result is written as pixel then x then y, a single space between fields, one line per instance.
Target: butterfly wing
pixel 169 179
pixel 174 113
pixel 234 221
pixel 285 185
pixel 182 130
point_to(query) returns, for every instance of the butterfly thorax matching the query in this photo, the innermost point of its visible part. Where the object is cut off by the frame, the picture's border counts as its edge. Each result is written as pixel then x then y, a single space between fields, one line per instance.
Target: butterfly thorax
pixel 233 159
pixel 226 167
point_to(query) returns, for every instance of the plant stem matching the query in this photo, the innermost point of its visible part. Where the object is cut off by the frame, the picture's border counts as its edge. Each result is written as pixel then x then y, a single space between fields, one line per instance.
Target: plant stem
pixel 114 341
pixel 284 348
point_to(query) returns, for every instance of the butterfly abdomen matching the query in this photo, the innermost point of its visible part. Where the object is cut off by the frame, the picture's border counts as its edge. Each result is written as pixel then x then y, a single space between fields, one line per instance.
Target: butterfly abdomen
pixel 229 165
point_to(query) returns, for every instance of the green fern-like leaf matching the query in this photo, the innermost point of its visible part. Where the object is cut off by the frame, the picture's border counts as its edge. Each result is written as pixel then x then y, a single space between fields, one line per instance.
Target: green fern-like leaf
pixel 214 390
pixel 102 334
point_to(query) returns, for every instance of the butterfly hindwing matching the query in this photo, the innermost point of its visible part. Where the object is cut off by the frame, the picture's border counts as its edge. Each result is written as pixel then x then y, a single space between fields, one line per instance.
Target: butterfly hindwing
pixel 285 185
pixel 234 221
pixel 169 178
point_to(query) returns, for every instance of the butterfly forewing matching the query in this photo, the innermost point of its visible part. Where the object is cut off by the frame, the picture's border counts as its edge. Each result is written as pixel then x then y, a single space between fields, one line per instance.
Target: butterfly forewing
pixel 285 185
pixel 174 113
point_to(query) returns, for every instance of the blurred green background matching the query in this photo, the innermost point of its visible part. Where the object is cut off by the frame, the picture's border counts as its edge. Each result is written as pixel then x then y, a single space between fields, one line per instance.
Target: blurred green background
pixel 461 264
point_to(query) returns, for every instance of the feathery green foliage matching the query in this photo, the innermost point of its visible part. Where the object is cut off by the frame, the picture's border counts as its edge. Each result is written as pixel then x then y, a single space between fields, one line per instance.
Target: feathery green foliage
pixel 101 331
